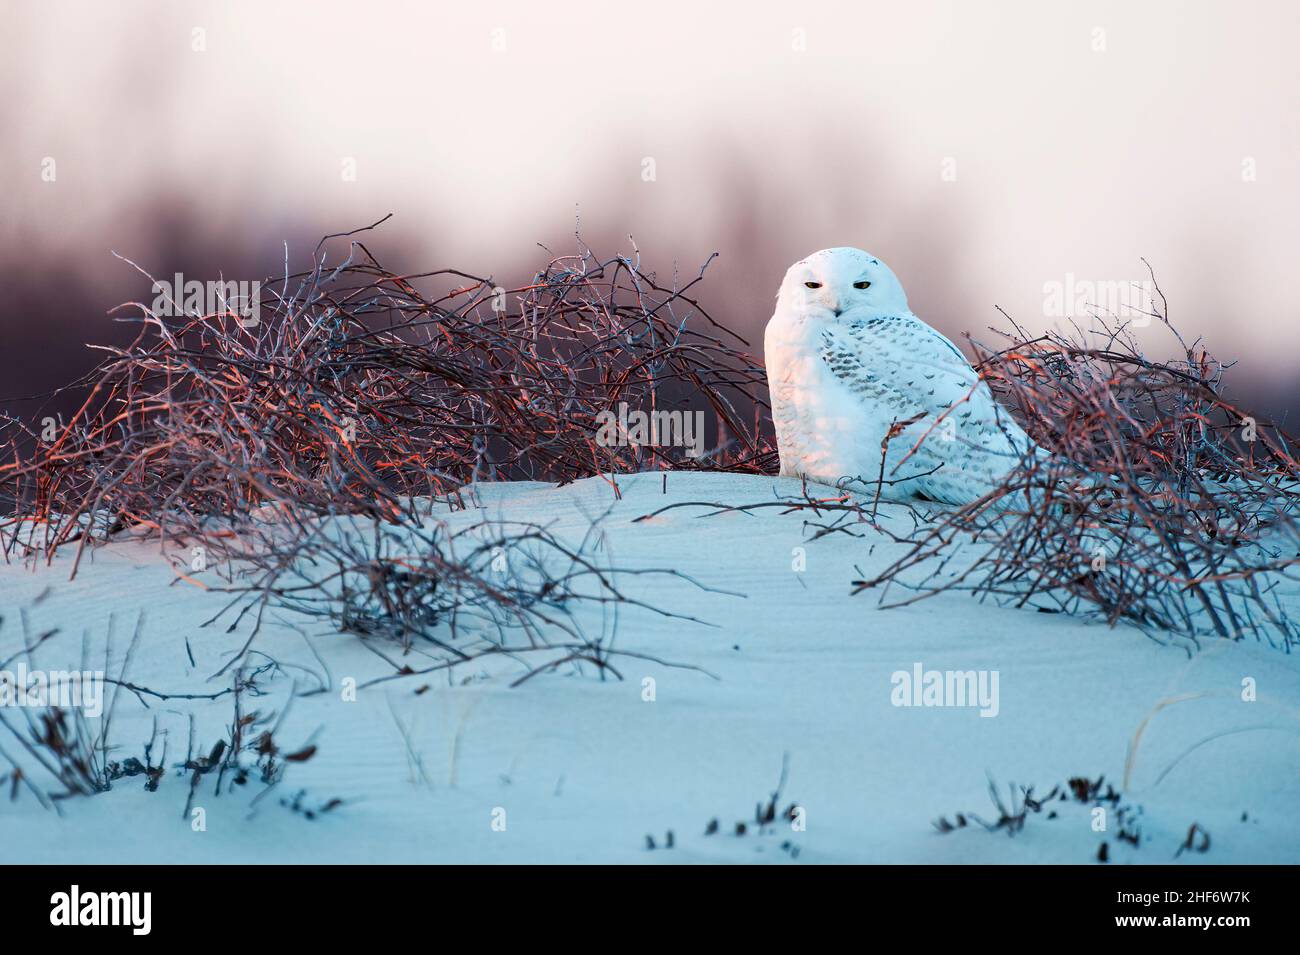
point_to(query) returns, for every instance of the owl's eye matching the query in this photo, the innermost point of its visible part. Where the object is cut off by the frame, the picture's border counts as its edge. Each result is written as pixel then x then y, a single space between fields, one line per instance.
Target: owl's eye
pixel 812 284
pixel 863 284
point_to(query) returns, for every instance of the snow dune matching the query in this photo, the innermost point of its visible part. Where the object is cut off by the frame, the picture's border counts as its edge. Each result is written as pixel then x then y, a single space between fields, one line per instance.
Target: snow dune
pixel 785 666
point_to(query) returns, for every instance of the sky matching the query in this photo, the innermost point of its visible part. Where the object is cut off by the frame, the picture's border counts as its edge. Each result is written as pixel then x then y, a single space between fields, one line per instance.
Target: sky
pixel 988 152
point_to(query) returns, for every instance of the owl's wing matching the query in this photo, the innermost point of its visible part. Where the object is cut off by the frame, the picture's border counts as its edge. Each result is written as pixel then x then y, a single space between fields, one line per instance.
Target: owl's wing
pixel 901 359
pixel 903 362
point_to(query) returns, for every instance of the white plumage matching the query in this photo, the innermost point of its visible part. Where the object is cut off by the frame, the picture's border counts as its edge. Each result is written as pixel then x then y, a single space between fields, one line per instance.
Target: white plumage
pixel 846 360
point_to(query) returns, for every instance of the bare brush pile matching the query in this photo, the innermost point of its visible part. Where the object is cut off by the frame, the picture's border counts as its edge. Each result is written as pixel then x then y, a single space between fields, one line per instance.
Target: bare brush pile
pixel 357 393
pixel 490 588
pixel 1165 505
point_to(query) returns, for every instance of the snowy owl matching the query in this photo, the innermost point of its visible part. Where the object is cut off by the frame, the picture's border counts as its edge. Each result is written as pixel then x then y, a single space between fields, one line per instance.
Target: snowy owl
pixel 847 360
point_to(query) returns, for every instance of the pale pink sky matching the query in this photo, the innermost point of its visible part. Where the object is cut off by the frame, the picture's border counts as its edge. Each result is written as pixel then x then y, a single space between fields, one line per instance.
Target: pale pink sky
pixel 1083 137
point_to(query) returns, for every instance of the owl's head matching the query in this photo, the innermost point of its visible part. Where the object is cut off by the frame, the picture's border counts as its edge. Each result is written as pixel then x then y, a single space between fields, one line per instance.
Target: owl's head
pixel 834 284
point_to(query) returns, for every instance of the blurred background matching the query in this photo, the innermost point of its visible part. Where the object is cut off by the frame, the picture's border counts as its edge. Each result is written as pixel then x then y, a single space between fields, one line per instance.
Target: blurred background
pixel 986 150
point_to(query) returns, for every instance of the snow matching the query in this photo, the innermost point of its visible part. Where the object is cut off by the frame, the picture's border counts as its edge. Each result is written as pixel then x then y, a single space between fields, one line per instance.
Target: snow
pixel 585 768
